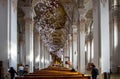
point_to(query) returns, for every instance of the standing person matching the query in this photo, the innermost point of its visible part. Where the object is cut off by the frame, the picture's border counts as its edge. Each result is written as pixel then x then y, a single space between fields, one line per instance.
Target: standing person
pixel 94 71
pixel 21 70
pixel 12 72
pixel 26 69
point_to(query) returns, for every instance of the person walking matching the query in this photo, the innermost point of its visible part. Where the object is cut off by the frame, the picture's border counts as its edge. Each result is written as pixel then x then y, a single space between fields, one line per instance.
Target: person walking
pixel 12 72
pixel 94 71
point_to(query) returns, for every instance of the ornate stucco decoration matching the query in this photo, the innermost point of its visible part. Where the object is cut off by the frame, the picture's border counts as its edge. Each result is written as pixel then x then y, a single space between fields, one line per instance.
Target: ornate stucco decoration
pixel 50 21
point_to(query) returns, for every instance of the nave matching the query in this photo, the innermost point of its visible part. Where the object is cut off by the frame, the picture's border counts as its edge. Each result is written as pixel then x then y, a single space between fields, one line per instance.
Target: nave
pixel 39 33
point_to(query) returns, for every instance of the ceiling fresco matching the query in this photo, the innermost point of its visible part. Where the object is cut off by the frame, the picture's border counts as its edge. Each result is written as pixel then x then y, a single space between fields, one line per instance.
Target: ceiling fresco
pixel 54 19
pixel 50 22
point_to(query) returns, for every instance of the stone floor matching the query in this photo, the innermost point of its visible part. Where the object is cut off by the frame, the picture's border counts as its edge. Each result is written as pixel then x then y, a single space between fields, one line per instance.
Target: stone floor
pixel 112 76
pixel 101 76
pixel 115 76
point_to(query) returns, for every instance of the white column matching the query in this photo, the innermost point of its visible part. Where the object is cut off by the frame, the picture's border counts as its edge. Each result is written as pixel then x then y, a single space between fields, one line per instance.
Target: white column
pixel 13 33
pixel 4 33
pixel 8 33
pixel 37 50
pixel 21 45
pixel 29 36
pixel 41 55
pixel 24 51
pixel 29 45
pixel 115 35
pixel 63 59
pixel 88 52
pixel 75 53
pixel 67 46
pixel 46 57
pixel 21 53
pixel 105 41
pixel 67 49
pixel 78 47
pixel 96 33
pixel 65 54
pixel 70 47
pixel 82 49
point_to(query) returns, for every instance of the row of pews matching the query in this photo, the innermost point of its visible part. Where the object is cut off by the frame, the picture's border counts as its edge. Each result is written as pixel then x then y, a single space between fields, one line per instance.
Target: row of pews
pixel 54 73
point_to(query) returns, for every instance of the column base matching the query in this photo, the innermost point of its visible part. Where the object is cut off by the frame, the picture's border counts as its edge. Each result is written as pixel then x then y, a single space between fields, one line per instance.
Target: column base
pixel 106 75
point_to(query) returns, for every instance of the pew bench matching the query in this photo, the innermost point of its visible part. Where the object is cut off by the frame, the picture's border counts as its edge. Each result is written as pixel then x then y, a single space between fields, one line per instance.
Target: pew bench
pixel 53 77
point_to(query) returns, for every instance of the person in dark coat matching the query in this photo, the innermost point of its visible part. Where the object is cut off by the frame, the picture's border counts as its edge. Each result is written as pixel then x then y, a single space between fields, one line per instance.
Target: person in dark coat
pixel 94 71
pixel 12 72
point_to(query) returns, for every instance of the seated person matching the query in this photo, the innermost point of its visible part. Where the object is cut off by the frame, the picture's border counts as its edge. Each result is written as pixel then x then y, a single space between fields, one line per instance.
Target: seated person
pixel 70 65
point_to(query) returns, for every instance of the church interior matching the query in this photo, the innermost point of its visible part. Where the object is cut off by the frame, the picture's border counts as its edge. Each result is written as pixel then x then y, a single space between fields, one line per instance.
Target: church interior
pixel 59 39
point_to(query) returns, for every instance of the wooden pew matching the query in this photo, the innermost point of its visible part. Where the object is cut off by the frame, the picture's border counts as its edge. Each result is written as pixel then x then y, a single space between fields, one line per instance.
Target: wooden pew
pixel 54 77
pixel 54 73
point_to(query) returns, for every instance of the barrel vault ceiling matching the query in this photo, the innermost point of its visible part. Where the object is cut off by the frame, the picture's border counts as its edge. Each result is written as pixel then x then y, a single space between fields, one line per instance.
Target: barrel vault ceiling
pixel 53 19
